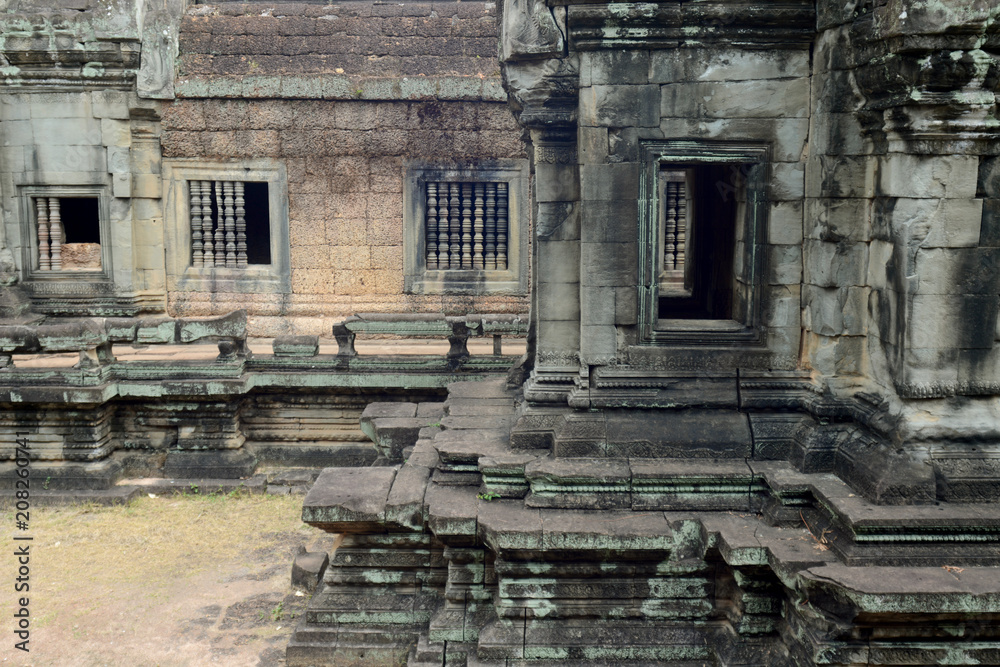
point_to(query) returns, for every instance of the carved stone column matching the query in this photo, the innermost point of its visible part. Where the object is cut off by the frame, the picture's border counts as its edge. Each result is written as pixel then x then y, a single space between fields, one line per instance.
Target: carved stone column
pixel 543 90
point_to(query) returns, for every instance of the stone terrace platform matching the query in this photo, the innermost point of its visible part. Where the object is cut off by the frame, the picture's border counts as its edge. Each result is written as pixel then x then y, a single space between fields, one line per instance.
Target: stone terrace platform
pixel 468 551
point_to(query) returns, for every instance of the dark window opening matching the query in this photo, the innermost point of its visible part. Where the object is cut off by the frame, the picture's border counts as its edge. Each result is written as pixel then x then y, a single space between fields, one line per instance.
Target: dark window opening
pixel 80 219
pixel 67 233
pixel 230 224
pixel 258 224
pixel 699 235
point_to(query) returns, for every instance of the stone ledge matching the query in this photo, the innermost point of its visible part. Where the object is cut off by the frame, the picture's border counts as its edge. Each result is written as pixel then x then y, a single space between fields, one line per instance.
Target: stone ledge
pixel 340 87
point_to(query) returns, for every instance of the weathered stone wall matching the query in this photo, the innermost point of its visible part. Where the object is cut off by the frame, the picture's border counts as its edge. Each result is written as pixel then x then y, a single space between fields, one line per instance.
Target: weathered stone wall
pixel 345 97
pixel 72 125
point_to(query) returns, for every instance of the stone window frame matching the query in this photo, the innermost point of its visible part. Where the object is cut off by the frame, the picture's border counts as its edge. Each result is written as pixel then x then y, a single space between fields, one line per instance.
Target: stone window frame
pixel 418 279
pixel 753 160
pixel 30 255
pixel 182 276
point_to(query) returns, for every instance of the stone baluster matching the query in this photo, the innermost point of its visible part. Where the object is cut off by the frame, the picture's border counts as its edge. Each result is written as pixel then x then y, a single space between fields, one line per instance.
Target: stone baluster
pixel 220 230
pixel 42 220
pixel 206 223
pixel 477 228
pixel 230 224
pixel 490 261
pixel 681 225
pixel 442 213
pixel 670 233
pixel 502 226
pixel 455 256
pixel 241 225
pixel 431 223
pixel 55 233
pixel 466 225
pixel 197 250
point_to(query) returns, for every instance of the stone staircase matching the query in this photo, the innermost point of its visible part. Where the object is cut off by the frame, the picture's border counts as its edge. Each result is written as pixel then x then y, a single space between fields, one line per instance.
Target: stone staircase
pixel 461 550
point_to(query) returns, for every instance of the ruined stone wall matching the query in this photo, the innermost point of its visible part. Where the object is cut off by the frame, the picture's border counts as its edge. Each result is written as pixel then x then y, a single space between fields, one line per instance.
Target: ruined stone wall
pixel 345 98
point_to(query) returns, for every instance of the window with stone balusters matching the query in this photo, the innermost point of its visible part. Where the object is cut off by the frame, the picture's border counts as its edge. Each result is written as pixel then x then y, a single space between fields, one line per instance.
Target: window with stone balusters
pixel 230 224
pixel 462 229
pixel 226 226
pixel 465 226
pixel 66 232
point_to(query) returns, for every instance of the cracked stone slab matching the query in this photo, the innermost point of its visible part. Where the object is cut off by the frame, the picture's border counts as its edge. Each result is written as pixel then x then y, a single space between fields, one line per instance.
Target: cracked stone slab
pixel 349 500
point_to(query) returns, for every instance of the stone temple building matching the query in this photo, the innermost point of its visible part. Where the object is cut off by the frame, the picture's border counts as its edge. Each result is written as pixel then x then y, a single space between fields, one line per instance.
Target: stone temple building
pixel 758 419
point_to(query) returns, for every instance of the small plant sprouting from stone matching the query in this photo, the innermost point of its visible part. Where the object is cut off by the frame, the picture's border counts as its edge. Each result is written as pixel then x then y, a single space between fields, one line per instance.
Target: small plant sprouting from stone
pixel 488 496
pixel 45 484
pixel 435 424
pixel 193 489
pixel 359 92
pixel 278 612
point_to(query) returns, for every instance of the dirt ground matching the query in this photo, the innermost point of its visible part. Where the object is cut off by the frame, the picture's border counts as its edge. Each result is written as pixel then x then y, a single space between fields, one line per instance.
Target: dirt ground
pixel 165 581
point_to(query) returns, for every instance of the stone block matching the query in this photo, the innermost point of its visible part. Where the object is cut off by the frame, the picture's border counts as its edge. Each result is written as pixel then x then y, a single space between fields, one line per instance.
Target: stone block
pixel 110 104
pixel 787 181
pixel 620 106
pixel 556 182
pixel 928 176
pixel 592 145
pixel 678 433
pixel 769 98
pixel 879 257
pixel 296 346
pixel 626 306
pixel 614 67
pixel 67 159
pixel 559 301
pixel 727 64
pixel 118 159
pixel 308 568
pixel 609 182
pixel 12 159
pixel 824 310
pixel 835 220
pixel 956 271
pixel 784 264
pixel 561 259
pixel 840 176
pixel 837 134
pixel 113 133
pixel 782 305
pixel 148 186
pixel 608 264
pixel 613 221
pixel 597 305
pixel 63 107
pixel 940 223
pixel 952 321
pixel 121 185
pixel 784 225
pixel 561 342
pixel 349 500
pixel 835 264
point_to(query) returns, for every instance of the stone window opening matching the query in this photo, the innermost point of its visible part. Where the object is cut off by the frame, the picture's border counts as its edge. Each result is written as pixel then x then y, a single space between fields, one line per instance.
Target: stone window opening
pixel 466 226
pixel 230 224
pixel 226 226
pixel 67 234
pixel 699 207
pixel 702 242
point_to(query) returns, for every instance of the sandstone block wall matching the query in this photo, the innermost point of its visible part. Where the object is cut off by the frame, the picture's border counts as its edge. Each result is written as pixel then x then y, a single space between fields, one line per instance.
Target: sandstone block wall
pixel 346 98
